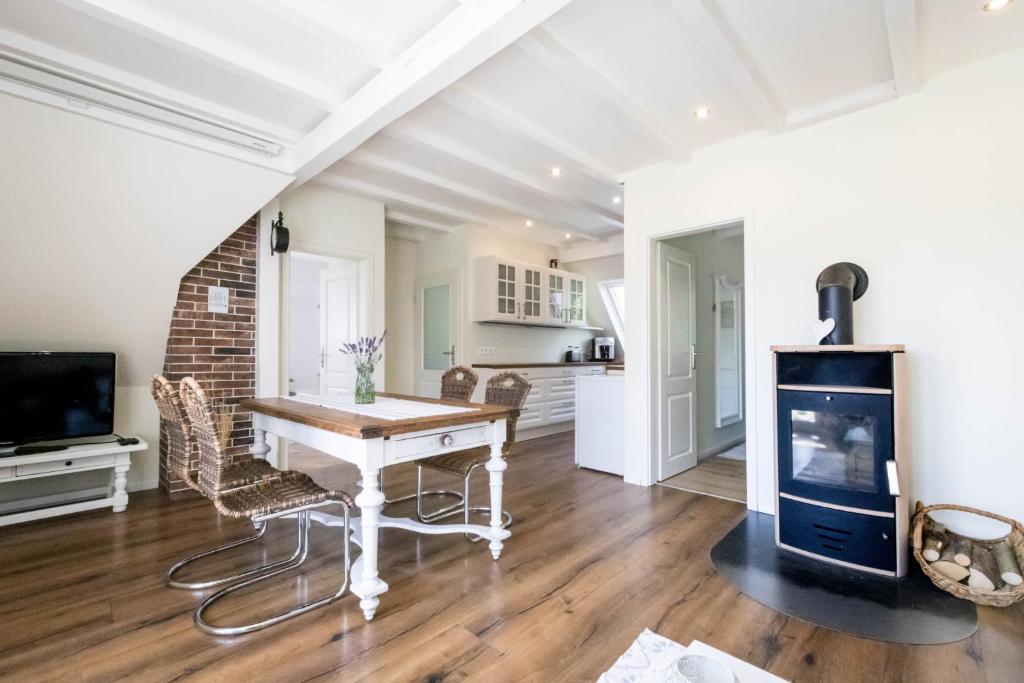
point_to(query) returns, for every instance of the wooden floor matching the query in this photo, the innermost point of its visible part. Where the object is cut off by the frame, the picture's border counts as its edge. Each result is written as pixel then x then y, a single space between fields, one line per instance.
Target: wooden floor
pixel 714 476
pixel 592 562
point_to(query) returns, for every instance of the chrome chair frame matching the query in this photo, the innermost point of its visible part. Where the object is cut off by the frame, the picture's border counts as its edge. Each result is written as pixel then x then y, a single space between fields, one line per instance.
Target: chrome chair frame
pixel 298 557
pixel 451 511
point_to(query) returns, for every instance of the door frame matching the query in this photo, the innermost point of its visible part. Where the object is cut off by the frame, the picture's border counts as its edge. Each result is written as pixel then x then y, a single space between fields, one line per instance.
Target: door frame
pixel 454 279
pixel 366 322
pixel 755 463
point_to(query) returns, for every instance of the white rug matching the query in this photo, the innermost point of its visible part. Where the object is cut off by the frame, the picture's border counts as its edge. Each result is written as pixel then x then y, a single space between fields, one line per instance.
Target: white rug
pixel 650 659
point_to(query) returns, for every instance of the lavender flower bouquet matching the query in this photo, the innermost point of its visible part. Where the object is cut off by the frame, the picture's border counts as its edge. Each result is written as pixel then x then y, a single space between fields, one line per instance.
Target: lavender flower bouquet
pixel 365 353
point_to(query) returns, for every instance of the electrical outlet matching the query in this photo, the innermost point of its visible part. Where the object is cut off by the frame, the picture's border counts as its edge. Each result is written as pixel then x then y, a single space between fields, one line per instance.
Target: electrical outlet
pixel 486 351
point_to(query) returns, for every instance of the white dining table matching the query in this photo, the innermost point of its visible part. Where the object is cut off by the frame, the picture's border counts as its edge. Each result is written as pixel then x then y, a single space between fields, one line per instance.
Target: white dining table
pixel 394 429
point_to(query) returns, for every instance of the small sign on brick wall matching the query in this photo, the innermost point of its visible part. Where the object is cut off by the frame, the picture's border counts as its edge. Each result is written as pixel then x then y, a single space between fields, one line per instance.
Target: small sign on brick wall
pixel 217 300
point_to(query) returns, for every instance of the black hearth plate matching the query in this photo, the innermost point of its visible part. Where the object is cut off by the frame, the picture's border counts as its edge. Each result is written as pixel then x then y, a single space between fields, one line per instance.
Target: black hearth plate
pixel 909 610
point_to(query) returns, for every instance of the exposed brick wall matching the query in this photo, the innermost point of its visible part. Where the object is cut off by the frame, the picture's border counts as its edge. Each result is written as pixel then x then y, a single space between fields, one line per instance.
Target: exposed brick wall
pixel 218 349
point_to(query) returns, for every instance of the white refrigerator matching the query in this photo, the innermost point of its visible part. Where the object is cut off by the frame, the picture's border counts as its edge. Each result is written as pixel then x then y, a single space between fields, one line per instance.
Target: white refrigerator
pixel 600 422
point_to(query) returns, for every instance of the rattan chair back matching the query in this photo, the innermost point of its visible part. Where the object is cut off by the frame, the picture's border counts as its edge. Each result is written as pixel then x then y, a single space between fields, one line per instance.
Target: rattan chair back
pixel 458 383
pixel 180 445
pixel 508 389
pixel 212 459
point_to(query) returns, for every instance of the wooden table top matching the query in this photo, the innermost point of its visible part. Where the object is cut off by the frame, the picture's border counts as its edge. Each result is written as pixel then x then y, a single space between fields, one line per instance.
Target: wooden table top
pixel 367 427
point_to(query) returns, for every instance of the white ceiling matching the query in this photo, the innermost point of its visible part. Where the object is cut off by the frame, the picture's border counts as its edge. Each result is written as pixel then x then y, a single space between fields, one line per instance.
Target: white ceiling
pixel 453 112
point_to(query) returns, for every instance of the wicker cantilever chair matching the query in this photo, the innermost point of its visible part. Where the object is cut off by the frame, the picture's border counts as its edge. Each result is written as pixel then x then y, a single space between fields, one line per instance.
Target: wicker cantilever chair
pixel 180 447
pixel 506 389
pixel 290 494
pixel 457 384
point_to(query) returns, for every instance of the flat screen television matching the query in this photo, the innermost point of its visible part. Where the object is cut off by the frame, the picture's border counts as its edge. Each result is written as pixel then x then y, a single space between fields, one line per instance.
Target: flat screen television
pixel 45 396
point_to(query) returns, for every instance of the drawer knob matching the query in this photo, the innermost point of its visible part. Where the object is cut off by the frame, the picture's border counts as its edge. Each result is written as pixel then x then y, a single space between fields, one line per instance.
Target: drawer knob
pixel 447 440
pixel 67 463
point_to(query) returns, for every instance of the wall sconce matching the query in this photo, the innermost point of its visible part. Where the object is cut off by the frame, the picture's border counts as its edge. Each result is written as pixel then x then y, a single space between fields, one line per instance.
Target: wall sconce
pixel 279 236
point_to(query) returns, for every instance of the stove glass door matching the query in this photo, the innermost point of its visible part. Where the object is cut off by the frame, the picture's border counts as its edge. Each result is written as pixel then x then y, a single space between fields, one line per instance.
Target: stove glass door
pixel 833 447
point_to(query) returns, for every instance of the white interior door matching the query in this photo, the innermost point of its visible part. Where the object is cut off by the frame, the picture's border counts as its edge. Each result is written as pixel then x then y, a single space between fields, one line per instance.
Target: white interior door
pixel 339 323
pixel 437 301
pixel 677 380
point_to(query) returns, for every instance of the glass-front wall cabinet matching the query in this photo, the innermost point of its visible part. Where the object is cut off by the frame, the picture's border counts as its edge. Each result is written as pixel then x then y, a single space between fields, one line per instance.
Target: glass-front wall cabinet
pixel 510 291
pixel 507 300
pixel 556 297
pixel 532 300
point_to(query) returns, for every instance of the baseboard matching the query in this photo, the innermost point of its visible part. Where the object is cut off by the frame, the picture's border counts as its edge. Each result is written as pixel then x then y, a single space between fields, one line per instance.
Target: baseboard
pixel 545 430
pixel 721 448
pixel 144 485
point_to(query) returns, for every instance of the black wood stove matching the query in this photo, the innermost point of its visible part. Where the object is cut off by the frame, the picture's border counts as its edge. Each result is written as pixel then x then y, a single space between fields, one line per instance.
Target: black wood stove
pixel 842 468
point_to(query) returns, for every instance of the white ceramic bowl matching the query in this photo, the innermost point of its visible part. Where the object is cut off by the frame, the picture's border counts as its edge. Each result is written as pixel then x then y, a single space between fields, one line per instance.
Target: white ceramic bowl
pixel 695 668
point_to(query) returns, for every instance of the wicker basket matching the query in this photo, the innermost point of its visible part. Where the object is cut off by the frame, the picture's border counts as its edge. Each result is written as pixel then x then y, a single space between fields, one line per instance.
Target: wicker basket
pixel 1005 596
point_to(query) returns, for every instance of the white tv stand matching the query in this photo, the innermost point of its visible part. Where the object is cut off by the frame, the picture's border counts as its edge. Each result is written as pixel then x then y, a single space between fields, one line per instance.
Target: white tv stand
pixel 75 458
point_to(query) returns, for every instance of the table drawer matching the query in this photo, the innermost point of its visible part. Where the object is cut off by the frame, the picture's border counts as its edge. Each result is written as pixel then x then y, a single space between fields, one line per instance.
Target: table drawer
pixel 6 472
pixel 399 449
pixel 68 464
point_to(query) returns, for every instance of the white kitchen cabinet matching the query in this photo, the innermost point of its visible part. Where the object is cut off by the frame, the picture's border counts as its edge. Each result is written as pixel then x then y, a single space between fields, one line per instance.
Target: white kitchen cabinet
pixel 513 292
pixel 550 407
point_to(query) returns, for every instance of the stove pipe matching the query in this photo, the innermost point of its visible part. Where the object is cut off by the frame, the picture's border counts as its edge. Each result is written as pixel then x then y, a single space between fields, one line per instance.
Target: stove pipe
pixel 839 286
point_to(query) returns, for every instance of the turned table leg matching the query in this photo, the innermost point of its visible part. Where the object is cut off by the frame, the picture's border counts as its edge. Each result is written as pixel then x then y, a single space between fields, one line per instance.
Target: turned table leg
pixel 496 466
pixel 370 500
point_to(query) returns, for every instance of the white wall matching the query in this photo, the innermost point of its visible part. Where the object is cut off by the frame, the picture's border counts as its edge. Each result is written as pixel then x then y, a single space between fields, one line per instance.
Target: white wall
pixel 401 257
pixel 713 255
pixel 510 343
pixel 101 224
pixel 924 193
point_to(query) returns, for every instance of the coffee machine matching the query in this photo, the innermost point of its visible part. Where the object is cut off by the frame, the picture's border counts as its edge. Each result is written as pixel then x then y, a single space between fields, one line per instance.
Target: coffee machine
pixel 603 348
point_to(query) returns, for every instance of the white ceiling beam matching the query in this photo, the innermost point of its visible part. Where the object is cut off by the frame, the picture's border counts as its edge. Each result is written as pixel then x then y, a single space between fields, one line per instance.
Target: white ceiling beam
pixel 844 104
pixel 388 195
pixel 476 104
pixel 467 37
pixel 425 139
pixel 901 26
pixel 419 221
pixel 587 79
pixel 392 166
pixel 139 19
pixel 323 21
pixel 55 59
pixel 702 20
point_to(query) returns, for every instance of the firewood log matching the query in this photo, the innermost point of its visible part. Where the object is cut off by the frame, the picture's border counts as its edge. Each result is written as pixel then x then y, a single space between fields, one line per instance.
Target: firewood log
pixel 934 542
pixel 1009 569
pixel 962 551
pixel 984 573
pixel 948 568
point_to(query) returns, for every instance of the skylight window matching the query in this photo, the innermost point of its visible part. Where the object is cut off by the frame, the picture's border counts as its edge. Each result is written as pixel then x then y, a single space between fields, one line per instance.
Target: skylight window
pixel 613 294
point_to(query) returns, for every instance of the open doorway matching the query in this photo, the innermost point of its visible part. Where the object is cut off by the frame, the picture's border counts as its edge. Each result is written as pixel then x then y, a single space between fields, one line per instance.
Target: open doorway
pixel 699 365
pixel 324 310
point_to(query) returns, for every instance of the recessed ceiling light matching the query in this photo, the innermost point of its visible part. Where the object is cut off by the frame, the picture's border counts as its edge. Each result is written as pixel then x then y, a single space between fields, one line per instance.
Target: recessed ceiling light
pixel 556 171
pixel 995 5
pixel 568 236
pixel 616 200
pixel 529 223
pixel 702 112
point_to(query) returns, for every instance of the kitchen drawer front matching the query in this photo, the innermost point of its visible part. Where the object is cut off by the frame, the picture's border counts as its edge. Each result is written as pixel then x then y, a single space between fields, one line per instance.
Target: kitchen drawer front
pixel 561 411
pixel 562 389
pixel 6 472
pixel 398 449
pixel 531 416
pixel 61 465
pixel 538 392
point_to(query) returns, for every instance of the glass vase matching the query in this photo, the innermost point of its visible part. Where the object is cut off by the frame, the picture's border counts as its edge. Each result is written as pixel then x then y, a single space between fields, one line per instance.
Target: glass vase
pixel 365 390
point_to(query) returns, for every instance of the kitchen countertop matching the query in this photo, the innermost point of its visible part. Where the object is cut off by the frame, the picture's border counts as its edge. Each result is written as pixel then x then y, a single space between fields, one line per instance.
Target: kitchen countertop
pixel 501 366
